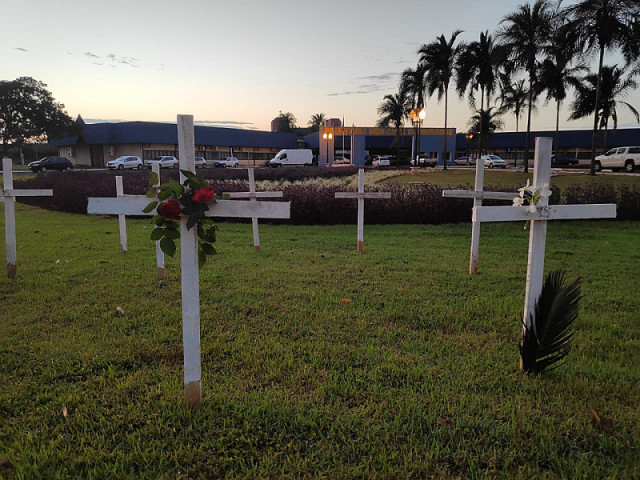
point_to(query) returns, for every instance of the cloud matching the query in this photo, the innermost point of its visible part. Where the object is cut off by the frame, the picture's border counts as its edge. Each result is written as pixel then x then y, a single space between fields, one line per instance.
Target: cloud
pixel 102 120
pixel 383 77
pixel 90 55
pixel 21 49
pixel 372 83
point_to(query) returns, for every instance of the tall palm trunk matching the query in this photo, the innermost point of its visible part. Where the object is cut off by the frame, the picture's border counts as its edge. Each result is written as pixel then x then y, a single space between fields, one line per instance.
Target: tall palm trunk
pixel 595 113
pixel 480 142
pixel 526 140
pixel 444 151
pixel 557 140
pixel 515 162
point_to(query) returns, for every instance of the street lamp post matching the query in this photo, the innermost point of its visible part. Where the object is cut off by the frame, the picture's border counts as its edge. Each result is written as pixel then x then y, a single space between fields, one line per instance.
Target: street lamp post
pixel 469 137
pixel 327 137
pixel 417 118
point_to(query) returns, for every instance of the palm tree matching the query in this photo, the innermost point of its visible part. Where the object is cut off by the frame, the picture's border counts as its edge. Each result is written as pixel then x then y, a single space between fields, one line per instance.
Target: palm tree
pixel 317 120
pixel 439 59
pixel 413 82
pixel 605 25
pixel 286 121
pixel 393 111
pixel 513 98
pixel 483 125
pixel 613 87
pixel 557 72
pixel 524 33
pixel 477 69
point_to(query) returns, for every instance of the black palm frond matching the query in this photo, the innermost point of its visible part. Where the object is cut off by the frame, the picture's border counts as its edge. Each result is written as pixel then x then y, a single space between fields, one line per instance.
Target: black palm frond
pixel 546 341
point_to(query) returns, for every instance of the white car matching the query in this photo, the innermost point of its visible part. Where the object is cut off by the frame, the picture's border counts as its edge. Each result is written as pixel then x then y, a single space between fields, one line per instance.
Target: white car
pixel 493 161
pixel 164 161
pixel 464 161
pixel 121 163
pixel 201 162
pixel 617 158
pixel 425 161
pixel 381 161
pixel 227 162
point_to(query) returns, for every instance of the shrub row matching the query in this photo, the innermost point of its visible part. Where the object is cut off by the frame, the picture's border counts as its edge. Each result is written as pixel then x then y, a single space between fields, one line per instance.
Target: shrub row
pixel 313 204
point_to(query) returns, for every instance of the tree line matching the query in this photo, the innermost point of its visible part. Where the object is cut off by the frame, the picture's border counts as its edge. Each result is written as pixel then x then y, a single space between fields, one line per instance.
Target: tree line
pixel 539 50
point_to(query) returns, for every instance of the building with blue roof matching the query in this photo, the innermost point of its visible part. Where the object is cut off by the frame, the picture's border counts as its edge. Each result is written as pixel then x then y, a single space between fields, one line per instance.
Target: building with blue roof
pixel 99 143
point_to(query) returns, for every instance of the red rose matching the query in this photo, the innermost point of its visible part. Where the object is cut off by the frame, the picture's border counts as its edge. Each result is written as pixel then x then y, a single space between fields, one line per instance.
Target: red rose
pixel 204 195
pixel 170 209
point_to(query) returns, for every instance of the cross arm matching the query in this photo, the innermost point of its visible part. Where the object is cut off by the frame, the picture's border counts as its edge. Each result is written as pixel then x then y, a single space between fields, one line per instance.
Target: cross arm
pixel 363 195
pixel 479 195
pixel 134 204
pixel 551 212
pixel 255 194
pixel 26 193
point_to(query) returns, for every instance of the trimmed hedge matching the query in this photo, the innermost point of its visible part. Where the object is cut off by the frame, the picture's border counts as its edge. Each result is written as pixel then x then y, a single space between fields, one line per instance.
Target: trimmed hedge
pixel 313 204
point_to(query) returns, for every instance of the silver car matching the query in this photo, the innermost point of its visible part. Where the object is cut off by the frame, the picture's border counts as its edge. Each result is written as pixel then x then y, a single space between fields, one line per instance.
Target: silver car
pixel 164 161
pixel 126 161
pixel 493 161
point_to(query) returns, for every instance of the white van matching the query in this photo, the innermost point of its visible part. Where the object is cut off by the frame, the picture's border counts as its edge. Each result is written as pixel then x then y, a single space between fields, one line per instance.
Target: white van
pixel 292 157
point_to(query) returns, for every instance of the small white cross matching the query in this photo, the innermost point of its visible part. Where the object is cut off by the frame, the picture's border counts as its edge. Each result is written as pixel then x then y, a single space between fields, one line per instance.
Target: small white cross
pixel 134 204
pixel 155 168
pixel 538 215
pixel 361 195
pixel 252 195
pixel 7 195
pixel 478 195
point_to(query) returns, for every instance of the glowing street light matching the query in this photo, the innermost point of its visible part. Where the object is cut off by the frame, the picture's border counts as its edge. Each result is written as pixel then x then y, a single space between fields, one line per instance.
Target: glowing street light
pixel 417 118
pixel 327 137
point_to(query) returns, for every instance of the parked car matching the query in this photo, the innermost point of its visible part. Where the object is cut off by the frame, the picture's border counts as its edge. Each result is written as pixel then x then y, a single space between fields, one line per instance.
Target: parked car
pixel 51 163
pixel 227 162
pixel 617 158
pixel 121 163
pixel 465 161
pixel 493 161
pixel 563 160
pixel 341 161
pixel 298 156
pixel 425 161
pixel 201 162
pixel 164 161
pixel 381 161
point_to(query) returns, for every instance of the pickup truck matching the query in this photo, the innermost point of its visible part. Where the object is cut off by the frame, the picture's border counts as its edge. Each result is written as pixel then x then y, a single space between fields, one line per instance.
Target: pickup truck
pixel 227 162
pixel 620 157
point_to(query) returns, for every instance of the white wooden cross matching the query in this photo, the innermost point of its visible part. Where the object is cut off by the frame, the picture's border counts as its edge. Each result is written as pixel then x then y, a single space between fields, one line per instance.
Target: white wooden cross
pixel 361 195
pixel 134 204
pixel 7 195
pixel 253 196
pixel 155 168
pixel 478 195
pixel 538 215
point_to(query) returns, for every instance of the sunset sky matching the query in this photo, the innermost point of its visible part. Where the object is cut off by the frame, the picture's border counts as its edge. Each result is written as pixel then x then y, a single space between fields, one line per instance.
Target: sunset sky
pixel 238 63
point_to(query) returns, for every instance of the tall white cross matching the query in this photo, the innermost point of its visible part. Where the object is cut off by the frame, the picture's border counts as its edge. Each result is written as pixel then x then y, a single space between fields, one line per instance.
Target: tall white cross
pixel 7 195
pixel 538 215
pixel 252 195
pixel 155 168
pixel 134 205
pixel 361 195
pixel 478 195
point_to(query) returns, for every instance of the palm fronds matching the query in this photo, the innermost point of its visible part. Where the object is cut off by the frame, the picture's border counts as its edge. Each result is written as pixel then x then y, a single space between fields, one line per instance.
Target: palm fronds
pixel 546 340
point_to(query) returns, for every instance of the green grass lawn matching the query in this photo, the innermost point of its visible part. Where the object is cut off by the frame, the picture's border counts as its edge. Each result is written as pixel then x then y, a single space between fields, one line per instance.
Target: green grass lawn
pixel 459 176
pixel 415 377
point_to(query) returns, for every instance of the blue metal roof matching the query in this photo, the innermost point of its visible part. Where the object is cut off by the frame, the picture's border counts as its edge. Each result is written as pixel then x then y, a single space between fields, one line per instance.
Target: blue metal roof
pixel 567 138
pixel 152 132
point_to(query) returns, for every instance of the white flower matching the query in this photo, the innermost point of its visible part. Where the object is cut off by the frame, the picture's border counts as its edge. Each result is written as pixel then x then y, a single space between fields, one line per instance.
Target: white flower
pixel 517 202
pixel 545 191
pixel 525 189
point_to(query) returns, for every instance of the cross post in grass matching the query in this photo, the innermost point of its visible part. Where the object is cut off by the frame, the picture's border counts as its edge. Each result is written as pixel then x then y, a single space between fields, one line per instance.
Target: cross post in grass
pixel 361 195
pixel 538 215
pixel 135 204
pixel 478 195
pixel 155 168
pixel 7 195
pixel 252 195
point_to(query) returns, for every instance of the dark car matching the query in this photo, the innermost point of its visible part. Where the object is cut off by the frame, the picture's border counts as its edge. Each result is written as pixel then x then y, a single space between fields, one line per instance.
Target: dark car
pixel 563 160
pixel 51 163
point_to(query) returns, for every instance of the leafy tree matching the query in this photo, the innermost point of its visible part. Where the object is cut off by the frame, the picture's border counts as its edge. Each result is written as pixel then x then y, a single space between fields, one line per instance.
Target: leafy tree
pixel 29 111
pixel 439 59
pixel 317 120
pixel 393 111
pixel 286 122
pixel 604 25
pixel 613 88
pixel 525 33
